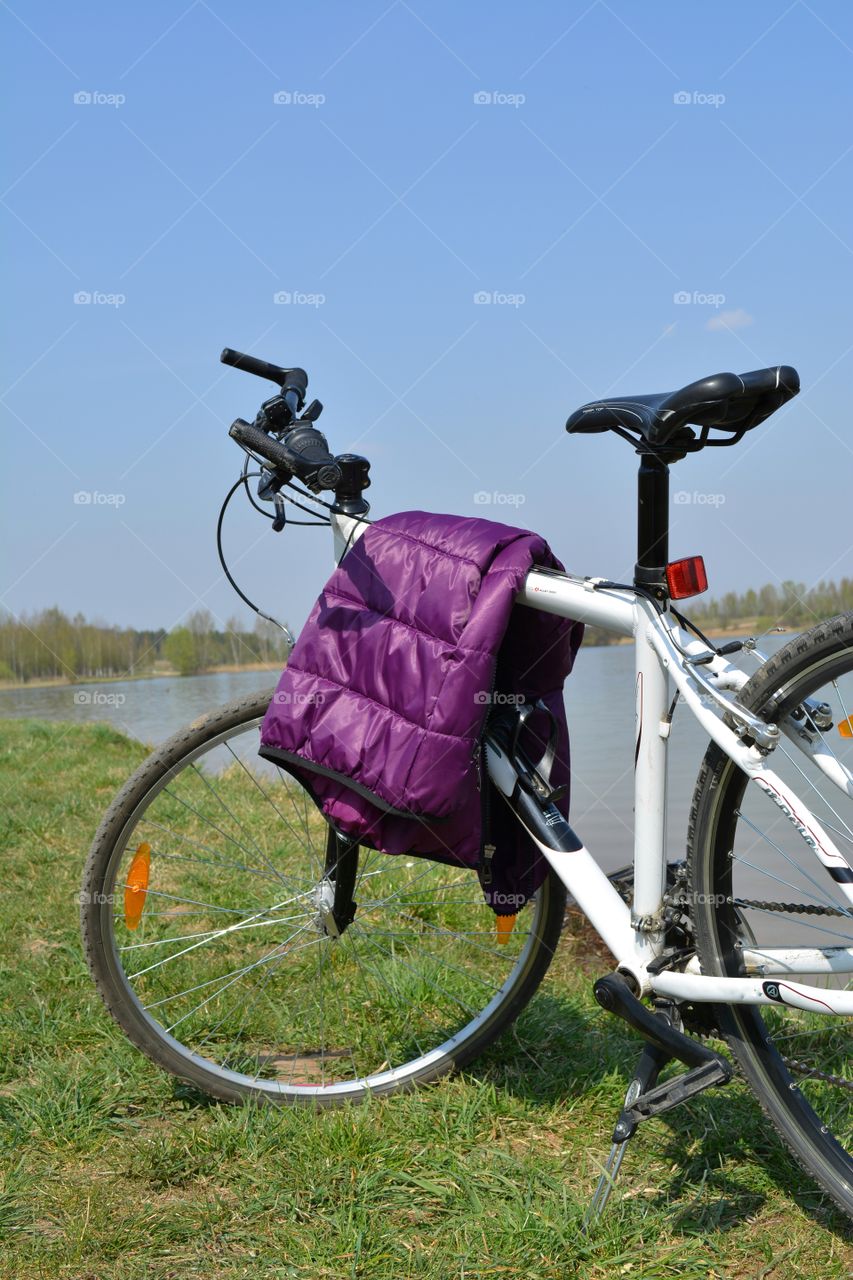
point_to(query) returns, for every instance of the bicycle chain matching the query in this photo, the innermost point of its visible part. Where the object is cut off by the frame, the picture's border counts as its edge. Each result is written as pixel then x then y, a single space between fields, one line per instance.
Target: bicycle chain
pixel 802 1069
pixel 802 909
pixel 794 908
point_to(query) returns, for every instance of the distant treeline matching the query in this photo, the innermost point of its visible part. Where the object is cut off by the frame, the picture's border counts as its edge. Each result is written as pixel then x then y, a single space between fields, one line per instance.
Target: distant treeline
pixel 49 644
pixel 792 605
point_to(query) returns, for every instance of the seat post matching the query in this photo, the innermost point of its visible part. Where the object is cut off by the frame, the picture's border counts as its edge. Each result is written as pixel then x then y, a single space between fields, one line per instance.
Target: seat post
pixel 652 522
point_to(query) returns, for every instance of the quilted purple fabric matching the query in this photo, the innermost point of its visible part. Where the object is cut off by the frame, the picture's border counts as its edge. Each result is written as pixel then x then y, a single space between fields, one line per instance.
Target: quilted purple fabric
pixel 382 705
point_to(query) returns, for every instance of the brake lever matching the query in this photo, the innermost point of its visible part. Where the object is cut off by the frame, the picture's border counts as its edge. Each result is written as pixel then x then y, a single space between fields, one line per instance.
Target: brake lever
pixel 268 486
pixel 280 518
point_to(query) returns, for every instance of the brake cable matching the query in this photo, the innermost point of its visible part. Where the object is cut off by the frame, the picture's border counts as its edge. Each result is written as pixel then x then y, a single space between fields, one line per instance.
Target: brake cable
pixel 242 480
pixel 245 479
pixel 302 507
pixel 279 520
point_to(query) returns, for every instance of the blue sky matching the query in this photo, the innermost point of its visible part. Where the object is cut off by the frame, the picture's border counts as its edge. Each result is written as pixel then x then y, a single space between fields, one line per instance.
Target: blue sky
pixel 625 154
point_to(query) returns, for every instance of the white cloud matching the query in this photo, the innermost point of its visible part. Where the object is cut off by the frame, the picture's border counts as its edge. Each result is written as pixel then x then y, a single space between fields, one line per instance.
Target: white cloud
pixel 738 319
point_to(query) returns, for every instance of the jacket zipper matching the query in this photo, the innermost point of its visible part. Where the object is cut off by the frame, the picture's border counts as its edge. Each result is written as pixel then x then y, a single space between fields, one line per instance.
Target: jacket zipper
pixel 487 849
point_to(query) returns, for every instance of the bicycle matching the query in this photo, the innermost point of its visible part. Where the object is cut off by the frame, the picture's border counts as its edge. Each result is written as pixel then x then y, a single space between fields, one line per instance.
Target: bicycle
pixel 246 947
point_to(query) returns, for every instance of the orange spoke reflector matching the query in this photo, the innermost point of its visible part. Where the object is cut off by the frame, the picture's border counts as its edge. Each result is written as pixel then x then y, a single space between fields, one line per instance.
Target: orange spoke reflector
pixel 504 926
pixel 136 885
pixel 845 727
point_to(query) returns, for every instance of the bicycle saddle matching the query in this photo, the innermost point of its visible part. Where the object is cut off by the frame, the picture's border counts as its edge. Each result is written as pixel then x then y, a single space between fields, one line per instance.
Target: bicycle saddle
pixel 730 402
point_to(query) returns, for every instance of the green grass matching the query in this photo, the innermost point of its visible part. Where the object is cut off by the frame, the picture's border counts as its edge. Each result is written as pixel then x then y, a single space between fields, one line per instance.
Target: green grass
pixel 109 1168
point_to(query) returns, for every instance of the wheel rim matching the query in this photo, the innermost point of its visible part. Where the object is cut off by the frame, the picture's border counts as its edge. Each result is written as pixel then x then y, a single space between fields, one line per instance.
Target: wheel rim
pixel 229 968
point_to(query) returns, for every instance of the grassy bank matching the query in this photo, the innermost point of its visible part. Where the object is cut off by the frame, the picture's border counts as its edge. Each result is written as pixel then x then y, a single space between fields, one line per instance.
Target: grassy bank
pixel 112 1170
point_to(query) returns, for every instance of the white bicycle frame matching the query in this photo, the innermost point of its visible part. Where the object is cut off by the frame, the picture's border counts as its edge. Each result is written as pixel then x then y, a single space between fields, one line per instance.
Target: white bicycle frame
pixel 665 653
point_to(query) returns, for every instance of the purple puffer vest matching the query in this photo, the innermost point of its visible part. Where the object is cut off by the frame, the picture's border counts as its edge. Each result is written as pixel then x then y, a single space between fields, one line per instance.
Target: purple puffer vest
pixel 381 708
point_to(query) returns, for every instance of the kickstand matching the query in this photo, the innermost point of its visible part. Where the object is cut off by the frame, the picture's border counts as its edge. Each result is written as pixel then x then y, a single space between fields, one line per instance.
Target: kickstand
pixel 665 1041
pixel 652 1061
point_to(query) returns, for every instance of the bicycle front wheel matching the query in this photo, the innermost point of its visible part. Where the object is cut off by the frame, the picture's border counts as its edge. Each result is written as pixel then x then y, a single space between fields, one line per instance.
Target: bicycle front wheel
pixel 206 924
pixel 757 886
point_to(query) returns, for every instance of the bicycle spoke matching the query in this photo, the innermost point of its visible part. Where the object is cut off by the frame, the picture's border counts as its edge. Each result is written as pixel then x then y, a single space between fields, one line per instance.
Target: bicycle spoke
pixel 422 978
pixel 211 906
pixel 814 788
pixel 209 821
pixel 420 1011
pixel 826 902
pixel 220 933
pixel 223 862
pixel 245 1009
pixel 471 976
pixel 238 975
pixel 242 829
pixel 265 794
pixel 362 970
pixel 206 933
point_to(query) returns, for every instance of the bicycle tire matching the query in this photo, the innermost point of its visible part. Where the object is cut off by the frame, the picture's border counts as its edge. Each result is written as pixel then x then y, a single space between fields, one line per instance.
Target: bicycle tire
pixel 778 684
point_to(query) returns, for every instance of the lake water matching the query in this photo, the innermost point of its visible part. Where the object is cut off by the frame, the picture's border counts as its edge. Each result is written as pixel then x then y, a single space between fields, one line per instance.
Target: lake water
pixel 599 700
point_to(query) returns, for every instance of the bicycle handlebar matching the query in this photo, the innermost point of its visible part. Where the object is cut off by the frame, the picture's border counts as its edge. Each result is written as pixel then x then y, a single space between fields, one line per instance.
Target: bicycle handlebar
pixel 291 445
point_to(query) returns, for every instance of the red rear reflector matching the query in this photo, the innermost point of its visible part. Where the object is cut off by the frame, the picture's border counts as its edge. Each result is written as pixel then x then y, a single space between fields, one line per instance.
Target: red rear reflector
pixel 686 577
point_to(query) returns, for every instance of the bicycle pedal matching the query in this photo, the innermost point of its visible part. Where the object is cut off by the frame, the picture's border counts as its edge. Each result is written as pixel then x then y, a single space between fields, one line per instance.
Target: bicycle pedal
pixel 673 1092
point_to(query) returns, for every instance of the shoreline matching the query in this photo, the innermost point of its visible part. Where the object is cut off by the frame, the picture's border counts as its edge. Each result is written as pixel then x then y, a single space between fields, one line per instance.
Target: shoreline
pixel 64 682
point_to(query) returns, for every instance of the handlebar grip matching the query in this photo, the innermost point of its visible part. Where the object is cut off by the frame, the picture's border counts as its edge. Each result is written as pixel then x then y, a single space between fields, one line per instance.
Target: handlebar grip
pixel 252 437
pixel 289 380
pixel 251 364
pixel 304 453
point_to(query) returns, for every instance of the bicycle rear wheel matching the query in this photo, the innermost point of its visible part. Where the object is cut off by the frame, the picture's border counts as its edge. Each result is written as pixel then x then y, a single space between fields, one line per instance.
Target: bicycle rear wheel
pixel 756 884
pixel 206 925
